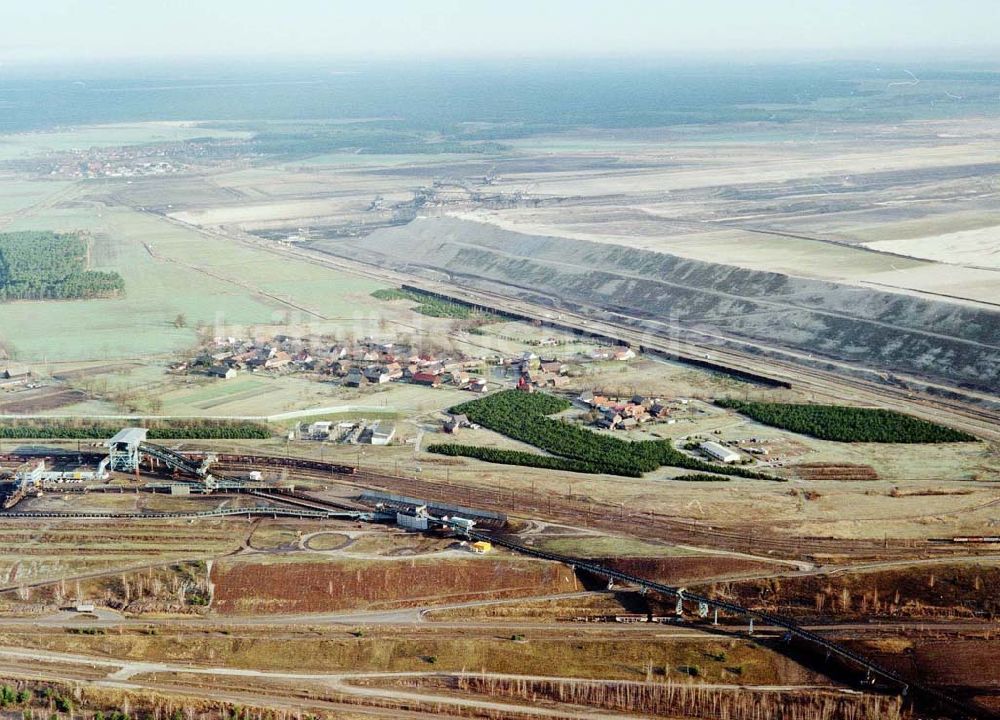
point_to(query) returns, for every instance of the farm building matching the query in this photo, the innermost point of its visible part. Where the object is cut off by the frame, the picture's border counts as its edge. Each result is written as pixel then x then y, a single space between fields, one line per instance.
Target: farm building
pixel 377 375
pixel 14 376
pixel 222 371
pixel 477 385
pixel 718 452
pixel 279 360
pixel 455 423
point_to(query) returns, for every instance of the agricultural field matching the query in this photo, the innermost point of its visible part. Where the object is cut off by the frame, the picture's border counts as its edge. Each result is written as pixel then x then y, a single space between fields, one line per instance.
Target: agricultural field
pixel 17 194
pixel 227 291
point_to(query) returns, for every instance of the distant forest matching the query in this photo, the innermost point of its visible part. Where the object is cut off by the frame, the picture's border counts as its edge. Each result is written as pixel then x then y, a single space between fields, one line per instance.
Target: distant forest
pixel 50 266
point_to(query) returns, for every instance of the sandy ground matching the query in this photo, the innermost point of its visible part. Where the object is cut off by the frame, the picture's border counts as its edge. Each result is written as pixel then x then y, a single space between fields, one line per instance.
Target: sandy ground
pixel 967 247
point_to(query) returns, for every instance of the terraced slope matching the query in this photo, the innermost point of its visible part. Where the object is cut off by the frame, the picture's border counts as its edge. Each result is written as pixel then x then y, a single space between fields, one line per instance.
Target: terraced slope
pixel 939 341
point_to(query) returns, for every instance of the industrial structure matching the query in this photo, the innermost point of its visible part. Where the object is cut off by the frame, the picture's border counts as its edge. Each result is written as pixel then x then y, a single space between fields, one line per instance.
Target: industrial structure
pixel 130 447
pixel 123 449
pixel 719 452
pixel 47 470
pixel 415 519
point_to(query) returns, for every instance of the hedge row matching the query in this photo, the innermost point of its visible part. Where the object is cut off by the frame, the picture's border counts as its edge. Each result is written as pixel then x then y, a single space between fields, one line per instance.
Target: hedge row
pixel 513 457
pixel 186 430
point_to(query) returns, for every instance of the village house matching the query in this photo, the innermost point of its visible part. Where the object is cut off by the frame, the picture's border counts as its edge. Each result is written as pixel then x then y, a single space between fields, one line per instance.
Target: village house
pixel 376 375
pixel 659 410
pixel 394 371
pixel 454 423
pixel 222 371
pixel 554 367
pixel 477 385
pixel 278 361
pixel 354 378
pixel 426 378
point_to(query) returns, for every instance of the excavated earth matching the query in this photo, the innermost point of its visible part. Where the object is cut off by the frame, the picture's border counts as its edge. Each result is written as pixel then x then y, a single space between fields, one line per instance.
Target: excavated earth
pixel 250 587
pixel 937 341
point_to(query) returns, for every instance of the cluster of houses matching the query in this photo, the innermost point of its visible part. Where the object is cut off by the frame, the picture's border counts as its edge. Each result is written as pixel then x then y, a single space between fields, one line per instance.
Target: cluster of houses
pixel 619 414
pixel 368 362
pixel 377 362
pixel 536 372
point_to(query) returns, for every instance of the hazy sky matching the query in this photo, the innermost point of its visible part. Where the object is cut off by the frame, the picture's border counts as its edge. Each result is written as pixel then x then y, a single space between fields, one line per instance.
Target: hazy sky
pixel 56 29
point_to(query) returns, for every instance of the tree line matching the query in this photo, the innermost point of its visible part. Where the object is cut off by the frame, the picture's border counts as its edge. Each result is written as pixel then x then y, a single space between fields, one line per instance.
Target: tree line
pixel 48 266
pixel 524 417
pixel 513 457
pixel 846 424
pixel 158 430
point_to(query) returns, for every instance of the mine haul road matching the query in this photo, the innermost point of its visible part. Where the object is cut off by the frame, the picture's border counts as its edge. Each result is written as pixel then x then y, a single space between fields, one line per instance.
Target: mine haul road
pixel 128 675
pixel 980 421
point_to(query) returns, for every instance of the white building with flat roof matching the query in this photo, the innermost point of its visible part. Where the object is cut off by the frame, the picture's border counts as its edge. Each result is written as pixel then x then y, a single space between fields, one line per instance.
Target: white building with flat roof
pixel 383 433
pixel 719 452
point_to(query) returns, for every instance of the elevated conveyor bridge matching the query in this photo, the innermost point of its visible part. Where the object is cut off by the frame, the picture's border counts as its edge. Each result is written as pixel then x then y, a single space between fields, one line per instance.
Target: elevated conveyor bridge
pixel 872 669
pixel 183 465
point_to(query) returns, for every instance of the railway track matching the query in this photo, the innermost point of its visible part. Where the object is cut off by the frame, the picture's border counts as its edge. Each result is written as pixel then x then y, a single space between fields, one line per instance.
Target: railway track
pixel 572 511
pixel 256 511
pixel 613 518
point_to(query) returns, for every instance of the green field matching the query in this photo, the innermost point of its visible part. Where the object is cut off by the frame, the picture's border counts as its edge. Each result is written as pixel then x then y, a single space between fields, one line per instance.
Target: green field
pixel 170 270
pixel 17 194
